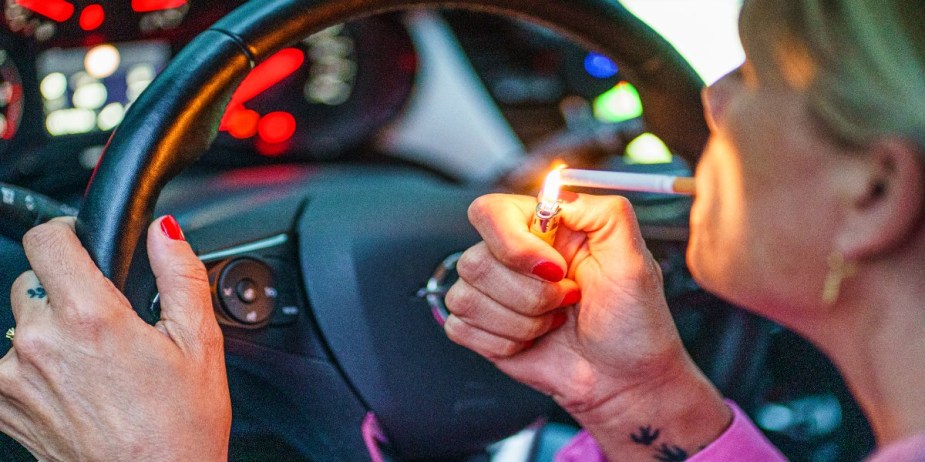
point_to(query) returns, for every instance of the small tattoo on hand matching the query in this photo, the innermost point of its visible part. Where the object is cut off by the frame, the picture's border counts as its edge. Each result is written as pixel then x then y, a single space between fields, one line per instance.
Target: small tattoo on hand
pixel 670 453
pixel 645 436
pixel 38 292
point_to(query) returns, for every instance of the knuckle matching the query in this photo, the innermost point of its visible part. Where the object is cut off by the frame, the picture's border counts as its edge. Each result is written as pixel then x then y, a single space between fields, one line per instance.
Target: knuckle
pixel 92 320
pixel 542 299
pixel 478 209
pixel 535 329
pixel 473 264
pixel 44 236
pixel 512 256
pixel 52 241
pixel 191 270
pixel 456 330
pixel 507 348
pixel 32 346
pixel 87 321
pixel 461 300
pixel 618 204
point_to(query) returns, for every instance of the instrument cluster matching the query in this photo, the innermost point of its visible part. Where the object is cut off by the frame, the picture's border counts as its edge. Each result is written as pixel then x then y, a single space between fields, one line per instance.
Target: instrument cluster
pixel 70 69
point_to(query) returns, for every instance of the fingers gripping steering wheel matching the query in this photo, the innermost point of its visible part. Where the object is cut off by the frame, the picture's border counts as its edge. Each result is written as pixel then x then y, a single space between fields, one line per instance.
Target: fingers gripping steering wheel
pixel 174 121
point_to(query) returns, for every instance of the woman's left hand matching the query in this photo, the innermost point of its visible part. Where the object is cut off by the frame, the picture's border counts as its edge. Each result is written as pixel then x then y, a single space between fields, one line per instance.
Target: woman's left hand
pixel 87 379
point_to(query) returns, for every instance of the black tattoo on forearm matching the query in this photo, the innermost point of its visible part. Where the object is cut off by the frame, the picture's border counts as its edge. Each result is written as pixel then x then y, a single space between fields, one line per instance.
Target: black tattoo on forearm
pixel 38 292
pixel 646 436
pixel 670 453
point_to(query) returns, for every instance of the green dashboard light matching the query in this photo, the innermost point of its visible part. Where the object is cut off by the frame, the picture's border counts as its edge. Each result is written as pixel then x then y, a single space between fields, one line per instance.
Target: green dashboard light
pixel 618 104
pixel 647 149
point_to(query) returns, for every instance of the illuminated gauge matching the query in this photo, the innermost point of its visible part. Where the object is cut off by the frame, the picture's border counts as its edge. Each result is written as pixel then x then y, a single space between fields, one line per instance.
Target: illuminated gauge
pixel 325 93
pixel 160 14
pixel 87 90
pixel 39 19
pixel 43 19
pixel 11 103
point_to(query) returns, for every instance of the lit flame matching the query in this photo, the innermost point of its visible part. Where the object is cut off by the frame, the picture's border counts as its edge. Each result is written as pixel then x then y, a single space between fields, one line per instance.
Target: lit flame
pixel 550 193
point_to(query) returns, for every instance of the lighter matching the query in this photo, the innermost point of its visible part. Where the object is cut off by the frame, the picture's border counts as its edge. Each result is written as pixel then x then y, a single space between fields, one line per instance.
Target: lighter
pixel 545 220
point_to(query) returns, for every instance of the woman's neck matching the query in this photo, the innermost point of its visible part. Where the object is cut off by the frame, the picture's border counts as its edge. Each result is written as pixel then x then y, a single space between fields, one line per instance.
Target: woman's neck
pixel 877 340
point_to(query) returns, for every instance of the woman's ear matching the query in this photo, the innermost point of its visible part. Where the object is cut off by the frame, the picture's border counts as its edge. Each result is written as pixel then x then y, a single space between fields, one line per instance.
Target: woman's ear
pixel 885 208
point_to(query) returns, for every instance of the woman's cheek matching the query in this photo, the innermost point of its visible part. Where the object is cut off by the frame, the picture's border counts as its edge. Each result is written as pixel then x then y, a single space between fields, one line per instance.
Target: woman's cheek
pixel 703 214
pixel 717 217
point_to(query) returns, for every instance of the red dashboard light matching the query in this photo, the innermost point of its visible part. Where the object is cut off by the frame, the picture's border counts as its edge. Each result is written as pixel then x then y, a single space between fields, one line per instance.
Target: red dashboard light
pixel 92 17
pixel 56 10
pixel 241 123
pixel 276 127
pixel 266 74
pixel 146 6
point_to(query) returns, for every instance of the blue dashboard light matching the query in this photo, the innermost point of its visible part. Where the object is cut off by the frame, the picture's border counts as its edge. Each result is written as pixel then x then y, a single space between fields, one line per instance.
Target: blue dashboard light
pixel 600 66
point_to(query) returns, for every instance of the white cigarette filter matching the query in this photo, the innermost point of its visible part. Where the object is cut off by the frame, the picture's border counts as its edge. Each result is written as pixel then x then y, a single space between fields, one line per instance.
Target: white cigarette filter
pixel 641 182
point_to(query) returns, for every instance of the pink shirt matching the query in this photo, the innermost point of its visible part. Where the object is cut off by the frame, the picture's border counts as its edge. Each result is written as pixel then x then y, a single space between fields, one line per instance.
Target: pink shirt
pixel 911 449
pixel 741 441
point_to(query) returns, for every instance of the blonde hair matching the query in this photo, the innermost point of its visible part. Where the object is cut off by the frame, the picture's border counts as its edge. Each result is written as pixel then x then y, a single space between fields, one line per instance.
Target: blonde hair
pixel 862 62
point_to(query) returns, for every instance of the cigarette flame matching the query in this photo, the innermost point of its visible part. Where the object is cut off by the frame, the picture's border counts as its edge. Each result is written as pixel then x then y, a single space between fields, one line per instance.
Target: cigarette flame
pixel 550 193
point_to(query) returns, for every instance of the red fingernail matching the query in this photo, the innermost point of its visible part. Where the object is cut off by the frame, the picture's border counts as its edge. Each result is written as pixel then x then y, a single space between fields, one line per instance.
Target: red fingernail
pixel 548 271
pixel 558 320
pixel 171 228
pixel 571 298
pixel 568 196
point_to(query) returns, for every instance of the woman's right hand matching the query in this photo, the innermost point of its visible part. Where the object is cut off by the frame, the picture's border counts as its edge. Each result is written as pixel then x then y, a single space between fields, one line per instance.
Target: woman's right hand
pixel 615 350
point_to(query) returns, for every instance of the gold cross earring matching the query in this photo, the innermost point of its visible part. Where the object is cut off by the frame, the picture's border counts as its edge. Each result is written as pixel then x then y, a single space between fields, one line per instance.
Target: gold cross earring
pixel 839 269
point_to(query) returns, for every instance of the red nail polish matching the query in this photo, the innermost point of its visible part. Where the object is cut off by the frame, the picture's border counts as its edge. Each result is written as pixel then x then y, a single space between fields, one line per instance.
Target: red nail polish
pixel 171 228
pixel 558 320
pixel 571 298
pixel 548 271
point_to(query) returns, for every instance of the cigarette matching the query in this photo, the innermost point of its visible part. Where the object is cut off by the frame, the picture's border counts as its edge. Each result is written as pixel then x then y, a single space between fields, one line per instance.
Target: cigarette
pixel 641 182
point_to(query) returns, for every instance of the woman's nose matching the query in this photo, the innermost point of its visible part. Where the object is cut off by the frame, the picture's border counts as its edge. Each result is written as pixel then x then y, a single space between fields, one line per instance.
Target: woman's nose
pixel 713 105
pixel 715 98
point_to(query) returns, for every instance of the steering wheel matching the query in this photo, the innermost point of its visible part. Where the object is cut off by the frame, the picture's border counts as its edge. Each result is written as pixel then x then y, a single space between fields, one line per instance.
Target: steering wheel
pixel 175 120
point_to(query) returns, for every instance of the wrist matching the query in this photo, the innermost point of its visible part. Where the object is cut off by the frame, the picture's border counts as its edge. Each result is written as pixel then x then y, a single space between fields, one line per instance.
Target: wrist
pixel 677 414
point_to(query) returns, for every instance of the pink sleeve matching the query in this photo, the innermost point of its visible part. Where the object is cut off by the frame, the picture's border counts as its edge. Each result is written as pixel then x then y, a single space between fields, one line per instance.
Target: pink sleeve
pixel 582 448
pixel 741 441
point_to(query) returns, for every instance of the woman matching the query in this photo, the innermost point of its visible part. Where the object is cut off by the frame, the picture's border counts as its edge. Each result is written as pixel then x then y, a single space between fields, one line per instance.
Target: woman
pixel 809 212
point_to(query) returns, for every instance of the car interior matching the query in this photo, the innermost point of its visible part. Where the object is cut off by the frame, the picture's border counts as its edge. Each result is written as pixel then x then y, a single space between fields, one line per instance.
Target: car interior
pixel 320 156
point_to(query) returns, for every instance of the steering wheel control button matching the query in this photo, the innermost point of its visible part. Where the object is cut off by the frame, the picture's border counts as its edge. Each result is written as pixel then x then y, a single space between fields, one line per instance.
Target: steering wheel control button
pixel 246 291
pixel 287 312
